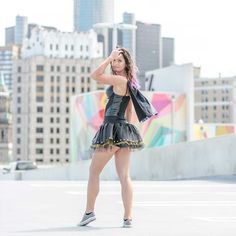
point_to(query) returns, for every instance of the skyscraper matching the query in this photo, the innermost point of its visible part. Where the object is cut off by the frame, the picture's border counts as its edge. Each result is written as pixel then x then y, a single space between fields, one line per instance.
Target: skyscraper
pixel 89 12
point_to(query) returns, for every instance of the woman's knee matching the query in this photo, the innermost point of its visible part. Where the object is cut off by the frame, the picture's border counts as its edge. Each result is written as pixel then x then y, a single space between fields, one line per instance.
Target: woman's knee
pixel 124 178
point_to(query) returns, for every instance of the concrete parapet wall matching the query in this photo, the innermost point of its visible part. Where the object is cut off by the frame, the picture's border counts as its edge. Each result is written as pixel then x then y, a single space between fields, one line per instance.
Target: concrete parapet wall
pixel 209 157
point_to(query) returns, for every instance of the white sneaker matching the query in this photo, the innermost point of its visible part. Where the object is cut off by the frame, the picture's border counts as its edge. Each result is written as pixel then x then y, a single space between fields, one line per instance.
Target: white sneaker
pixel 87 218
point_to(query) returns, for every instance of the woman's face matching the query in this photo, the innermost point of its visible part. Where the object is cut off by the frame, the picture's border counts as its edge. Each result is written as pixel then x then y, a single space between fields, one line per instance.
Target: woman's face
pixel 118 64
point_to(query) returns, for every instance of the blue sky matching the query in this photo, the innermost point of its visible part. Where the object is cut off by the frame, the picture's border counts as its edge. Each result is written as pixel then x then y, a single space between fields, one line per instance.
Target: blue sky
pixel 204 30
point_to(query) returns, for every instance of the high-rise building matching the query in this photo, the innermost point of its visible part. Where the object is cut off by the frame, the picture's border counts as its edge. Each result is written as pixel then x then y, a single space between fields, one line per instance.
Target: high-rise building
pixel 167 52
pixel 5 123
pixel 7 56
pixel 128 36
pixel 214 99
pixel 9 35
pixel 41 105
pixel 21 29
pixel 52 43
pixel 148 48
pixel 89 12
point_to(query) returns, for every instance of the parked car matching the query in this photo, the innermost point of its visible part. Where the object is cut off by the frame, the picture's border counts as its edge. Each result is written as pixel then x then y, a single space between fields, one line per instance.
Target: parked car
pixel 20 166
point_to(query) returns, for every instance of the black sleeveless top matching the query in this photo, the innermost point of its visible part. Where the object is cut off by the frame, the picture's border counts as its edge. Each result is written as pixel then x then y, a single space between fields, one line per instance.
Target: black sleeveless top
pixel 116 106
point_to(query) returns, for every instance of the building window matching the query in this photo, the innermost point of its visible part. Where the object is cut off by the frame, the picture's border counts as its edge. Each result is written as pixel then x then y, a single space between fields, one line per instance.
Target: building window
pixel 52 109
pixel 67 150
pixel 18 141
pixel 58 152
pixel 82 69
pixel 18 120
pixel 39 99
pixel 18 99
pixel 88 69
pixel 81 48
pixel 39 151
pixel 58 141
pixel 51 120
pixel 19 69
pixel 73 79
pixel 67 89
pixel 52 68
pixel 39 140
pixel 51 130
pixel 88 79
pixel 51 140
pixel 18 79
pixel 67 141
pixel 52 99
pixel 58 120
pixel 39 78
pixel 58 79
pixel 73 89
pixel 39 89
pixel 51 152
pixel 82 90
pixel 52 78
pixel 18 110
pixel 67 69
pixel 82 79
pixel 58 109
pixel 67 120
pixel 39 119
pixel 58 130
pixel 67 130
pixel 18 150
pixel 67 79
pixel 51 48
pixel 67 110
pixel 67 99
pixel 58 99
pixel 57 47
pixel 58 89
pixel 73 68
pixel 39 68
pixel 39 130
pixel 19 89
pixel 66 47
pixel 39 109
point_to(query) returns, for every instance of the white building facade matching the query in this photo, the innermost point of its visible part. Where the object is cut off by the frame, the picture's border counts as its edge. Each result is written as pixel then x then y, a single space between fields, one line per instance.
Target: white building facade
pixel 56 44
pixel 41 105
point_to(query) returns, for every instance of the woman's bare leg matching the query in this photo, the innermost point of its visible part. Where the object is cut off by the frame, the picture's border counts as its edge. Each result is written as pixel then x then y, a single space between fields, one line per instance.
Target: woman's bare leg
pixel 99 160
pixel 122 160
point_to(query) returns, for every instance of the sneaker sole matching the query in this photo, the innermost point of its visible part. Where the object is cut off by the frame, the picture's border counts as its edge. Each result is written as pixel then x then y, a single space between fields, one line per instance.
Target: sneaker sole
pixel 87 221
pixel 127 226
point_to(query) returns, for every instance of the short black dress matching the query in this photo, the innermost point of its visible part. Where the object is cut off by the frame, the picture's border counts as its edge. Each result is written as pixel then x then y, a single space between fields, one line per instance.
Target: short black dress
pixel 116 130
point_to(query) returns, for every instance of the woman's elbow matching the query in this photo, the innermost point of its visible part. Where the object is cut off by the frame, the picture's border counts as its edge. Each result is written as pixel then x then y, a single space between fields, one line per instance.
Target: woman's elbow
pixel 93 76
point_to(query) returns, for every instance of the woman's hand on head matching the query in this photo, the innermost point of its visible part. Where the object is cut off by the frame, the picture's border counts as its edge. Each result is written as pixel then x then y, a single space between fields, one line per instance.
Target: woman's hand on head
pixel 114 54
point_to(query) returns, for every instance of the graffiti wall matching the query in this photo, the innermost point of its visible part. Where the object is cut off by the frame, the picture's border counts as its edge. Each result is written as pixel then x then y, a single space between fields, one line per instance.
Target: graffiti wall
pixel 87 112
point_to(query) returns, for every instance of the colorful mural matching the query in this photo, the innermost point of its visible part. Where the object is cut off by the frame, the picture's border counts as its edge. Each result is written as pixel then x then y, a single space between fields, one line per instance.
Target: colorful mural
pixel 203 131
pixel 87 112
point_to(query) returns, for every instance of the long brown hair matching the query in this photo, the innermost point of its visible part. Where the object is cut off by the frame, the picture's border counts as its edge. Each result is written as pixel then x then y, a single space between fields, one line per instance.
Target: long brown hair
pixel 130 67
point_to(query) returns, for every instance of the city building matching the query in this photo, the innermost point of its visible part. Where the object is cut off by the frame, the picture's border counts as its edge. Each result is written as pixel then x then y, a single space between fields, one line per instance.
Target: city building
pixel 148 48
pixel 41 105
pixel 215 99
pixel 89 12
pixel 7 56
pixel 129 36
pixel 5 123
pixel 56 44
pixel 175 79
pixel 21 29
pixel 168 57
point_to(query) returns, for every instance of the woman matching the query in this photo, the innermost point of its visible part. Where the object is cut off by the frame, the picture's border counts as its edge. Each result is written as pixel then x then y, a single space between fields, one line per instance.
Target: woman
pixel 117 136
